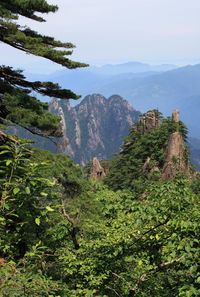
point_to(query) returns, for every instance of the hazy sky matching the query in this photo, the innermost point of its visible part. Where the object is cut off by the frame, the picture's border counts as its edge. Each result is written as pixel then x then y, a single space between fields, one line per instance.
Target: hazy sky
pixel 115 31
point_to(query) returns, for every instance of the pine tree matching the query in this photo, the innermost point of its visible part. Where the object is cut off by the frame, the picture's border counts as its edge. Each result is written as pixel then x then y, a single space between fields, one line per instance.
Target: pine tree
pixel 17 104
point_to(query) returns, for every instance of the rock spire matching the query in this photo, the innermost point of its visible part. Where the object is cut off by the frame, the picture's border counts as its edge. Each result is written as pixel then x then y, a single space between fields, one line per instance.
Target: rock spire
pixel 149 121
pixel 97 171
pixel 176 153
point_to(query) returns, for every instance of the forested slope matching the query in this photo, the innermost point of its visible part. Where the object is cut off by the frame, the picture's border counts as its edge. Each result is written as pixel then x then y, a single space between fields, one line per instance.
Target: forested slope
pixel 63 234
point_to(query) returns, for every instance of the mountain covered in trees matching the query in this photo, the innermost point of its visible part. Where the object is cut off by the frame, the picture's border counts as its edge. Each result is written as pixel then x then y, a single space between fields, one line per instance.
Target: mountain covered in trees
pixel 155 149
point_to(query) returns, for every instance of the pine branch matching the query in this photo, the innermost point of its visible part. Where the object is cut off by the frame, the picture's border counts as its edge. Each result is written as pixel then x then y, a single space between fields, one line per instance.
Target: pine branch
pixel 15 78
pixel 28 8
pixel 32 131
pixel 15 100
pixel 31 42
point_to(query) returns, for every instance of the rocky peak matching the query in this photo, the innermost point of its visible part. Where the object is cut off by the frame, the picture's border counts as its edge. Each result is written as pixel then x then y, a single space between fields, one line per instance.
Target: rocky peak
pixel 55 108
pixel 94 127
pixel 54 105
pixel 149 121
pixel 90 103
pixel 118 100
pixel 176 116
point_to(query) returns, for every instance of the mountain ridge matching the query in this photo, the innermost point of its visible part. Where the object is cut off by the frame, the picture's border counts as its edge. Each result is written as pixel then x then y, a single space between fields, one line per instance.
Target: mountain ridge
pixel 165 90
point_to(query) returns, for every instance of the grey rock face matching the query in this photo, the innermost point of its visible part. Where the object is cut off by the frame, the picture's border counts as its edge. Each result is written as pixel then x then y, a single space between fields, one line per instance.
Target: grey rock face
pixel 95 127
pixel 148 121
pixel 176 160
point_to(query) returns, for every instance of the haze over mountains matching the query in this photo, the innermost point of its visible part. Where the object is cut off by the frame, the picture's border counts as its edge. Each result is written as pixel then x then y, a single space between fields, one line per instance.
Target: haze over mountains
pixel 165 87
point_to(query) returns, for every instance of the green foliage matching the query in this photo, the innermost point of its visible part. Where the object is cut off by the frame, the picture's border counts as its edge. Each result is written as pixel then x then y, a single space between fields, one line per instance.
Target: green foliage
pixel 24 195
pixel 29 112
pixel 61 167
pixel 64 236
pixel 137 248
pixel 22 281
pixel 32 224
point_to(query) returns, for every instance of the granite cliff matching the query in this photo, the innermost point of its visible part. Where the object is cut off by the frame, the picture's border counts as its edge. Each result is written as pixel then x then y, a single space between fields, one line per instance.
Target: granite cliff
pixel 95 127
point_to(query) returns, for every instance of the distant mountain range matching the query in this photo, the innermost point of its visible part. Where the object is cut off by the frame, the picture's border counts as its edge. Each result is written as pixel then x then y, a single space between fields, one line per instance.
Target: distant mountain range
pixel 130 67
pixel 96 127
pixel 165 87
pixel 194 145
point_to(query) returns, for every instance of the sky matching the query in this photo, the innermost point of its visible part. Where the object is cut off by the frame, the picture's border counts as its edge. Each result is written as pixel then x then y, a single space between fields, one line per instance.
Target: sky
pixel 116 31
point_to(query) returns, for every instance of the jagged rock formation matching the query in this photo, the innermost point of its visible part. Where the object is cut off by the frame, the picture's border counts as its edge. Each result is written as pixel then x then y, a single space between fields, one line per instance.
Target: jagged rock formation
pixel 176 157
pixel 95 127
pixel 97 171
pixel 148 121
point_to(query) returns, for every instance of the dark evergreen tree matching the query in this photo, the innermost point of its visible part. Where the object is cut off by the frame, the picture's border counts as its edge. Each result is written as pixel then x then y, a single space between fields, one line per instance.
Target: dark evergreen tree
pixel 16 101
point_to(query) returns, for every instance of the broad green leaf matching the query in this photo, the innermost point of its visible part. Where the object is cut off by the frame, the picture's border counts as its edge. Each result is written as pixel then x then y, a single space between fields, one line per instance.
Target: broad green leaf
pixel 43 194
pixel 198 280
pixel 8 162
pixel 27 190
pixel 140 263
pixel 157 237
pixel 37 221
pixel 49 208
pixel 16 191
